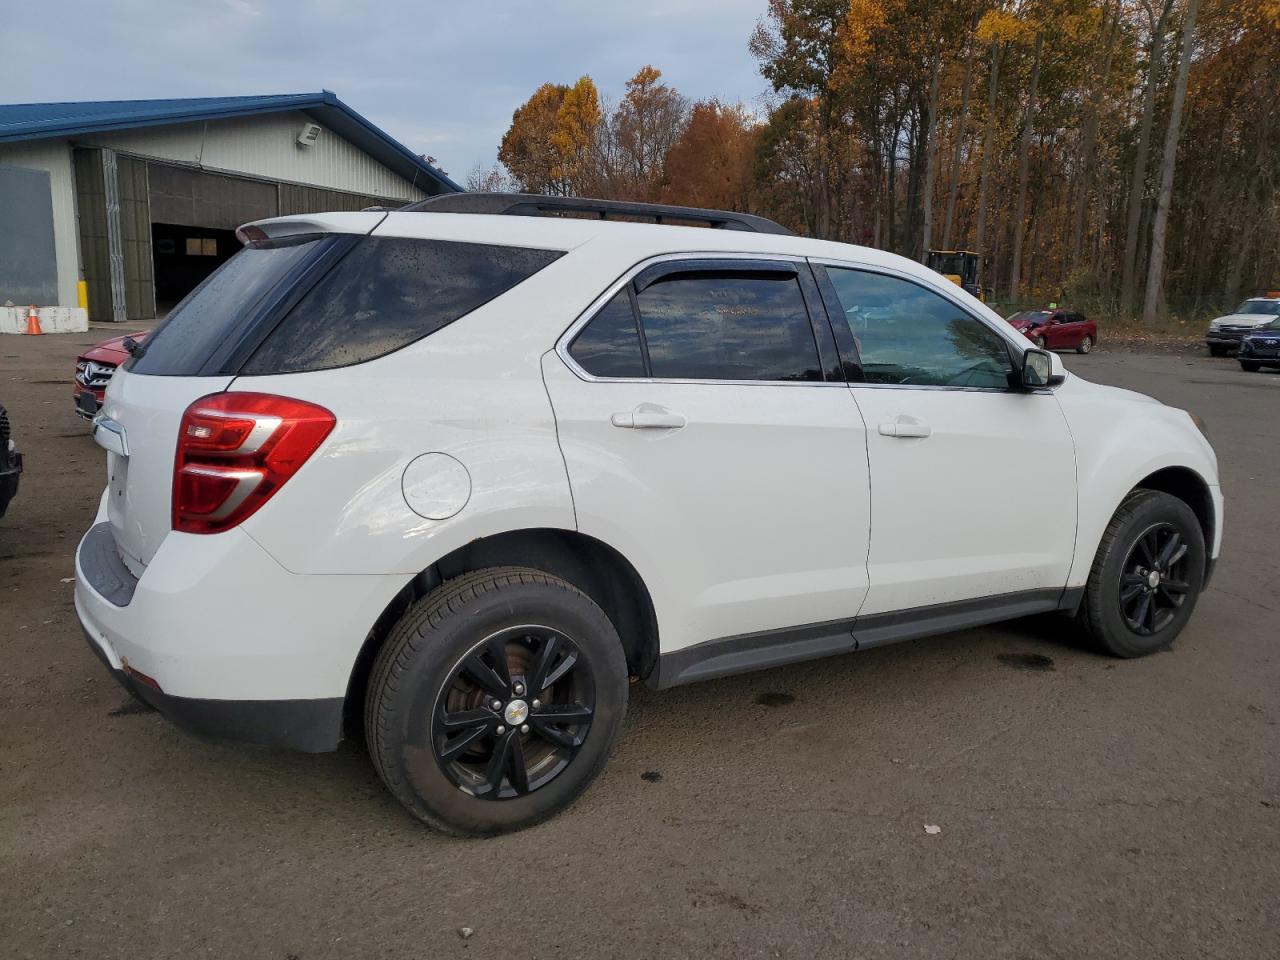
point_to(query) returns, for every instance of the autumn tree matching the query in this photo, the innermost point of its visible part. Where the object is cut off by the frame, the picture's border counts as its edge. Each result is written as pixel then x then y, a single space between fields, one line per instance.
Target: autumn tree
pixel 710 165
pixel 548 146
pixel 1078 145
pixel 649 121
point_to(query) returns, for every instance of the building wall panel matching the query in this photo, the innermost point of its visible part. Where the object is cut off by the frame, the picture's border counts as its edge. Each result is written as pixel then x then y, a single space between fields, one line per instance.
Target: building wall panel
pixel 92 204
pixel 265 146
pixel 28 264
pixel 54 157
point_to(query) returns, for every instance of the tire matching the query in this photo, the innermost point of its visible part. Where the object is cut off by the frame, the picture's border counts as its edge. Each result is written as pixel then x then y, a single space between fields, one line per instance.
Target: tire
pixel 1250 366
pixel 1086 345
pixel 1153 517
pixel 1039 343
pixel 429 667
pixel 1217 350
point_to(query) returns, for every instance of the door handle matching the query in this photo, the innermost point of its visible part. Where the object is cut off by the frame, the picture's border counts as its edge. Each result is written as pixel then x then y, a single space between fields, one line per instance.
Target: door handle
pixel 905 428
pixel 648 416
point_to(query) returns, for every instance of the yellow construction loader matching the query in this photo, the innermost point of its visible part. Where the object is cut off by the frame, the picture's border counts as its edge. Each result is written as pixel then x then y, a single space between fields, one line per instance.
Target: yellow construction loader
pixel 961 267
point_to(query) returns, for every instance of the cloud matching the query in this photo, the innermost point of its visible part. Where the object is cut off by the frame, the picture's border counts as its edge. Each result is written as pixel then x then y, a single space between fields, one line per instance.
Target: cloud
pixel 443 78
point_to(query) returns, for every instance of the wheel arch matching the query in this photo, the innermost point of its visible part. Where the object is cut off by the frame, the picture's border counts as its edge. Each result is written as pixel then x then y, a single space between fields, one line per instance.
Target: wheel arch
pixel 593 566
pixel 1189 487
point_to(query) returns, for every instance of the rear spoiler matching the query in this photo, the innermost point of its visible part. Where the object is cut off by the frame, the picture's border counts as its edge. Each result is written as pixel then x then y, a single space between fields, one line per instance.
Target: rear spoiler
pixel 277 227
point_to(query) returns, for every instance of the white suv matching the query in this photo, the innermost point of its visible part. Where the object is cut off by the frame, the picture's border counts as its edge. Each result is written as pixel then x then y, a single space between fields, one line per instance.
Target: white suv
pixel 455 474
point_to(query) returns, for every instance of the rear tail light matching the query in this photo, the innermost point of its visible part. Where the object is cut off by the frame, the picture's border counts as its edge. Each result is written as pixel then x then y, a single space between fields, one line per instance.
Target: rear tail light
pixel 235 450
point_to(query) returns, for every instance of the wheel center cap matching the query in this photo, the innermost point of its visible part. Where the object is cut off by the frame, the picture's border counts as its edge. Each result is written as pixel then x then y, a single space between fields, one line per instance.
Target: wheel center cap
pixel 516 713
pixel 1153 579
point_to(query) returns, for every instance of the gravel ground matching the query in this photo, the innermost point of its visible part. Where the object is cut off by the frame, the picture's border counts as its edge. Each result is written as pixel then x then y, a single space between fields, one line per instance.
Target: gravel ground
pixel 1086 806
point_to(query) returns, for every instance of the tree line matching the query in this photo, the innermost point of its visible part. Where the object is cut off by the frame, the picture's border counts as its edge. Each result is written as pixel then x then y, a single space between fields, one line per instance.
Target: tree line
pixel 1119 152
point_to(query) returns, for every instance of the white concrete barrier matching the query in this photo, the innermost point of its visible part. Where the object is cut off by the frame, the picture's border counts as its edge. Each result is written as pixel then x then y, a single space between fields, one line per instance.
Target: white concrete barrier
pixel 52 319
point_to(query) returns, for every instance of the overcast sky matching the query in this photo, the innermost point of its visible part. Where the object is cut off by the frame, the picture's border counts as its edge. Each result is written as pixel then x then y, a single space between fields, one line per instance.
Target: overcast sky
pixel 442 78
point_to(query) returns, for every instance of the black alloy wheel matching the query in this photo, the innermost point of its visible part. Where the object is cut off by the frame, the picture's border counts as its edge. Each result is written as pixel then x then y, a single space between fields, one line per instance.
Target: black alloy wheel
pixel 1146 576
pixel 513 713
pixel 1153 582
pixel 495 700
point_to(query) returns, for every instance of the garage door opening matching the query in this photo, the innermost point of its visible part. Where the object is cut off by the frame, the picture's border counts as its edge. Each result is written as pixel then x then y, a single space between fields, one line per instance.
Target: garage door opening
pixel 183 256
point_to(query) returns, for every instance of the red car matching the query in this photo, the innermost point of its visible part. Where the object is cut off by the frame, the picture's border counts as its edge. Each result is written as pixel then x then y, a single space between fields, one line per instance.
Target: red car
pixel 94 368
pixel 1057 329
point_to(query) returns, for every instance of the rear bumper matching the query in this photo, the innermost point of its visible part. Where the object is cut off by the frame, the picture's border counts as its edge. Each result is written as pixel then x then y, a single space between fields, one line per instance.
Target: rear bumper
pixel 312 726
pixel 235 644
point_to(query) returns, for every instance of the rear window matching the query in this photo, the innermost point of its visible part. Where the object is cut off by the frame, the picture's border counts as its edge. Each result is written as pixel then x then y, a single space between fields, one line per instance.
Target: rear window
pixel 386 293
pixel 219 308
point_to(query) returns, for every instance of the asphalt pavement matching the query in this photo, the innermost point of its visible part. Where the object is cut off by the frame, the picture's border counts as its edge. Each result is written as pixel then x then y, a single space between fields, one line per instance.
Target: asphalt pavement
pixel 1085 806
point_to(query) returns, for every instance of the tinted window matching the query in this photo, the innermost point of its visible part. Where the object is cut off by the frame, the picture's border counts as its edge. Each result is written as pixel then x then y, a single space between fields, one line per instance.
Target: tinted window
pixel 910 335
pixel 386 293
pixel 219 308
pixel 728 327
pixel 609 346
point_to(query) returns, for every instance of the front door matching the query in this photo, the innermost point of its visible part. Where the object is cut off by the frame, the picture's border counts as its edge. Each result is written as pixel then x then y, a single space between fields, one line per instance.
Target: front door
pixel 972 482
pixel 709 447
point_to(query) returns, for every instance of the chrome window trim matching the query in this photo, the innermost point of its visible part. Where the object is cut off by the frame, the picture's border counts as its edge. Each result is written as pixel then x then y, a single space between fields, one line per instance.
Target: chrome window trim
pixel 587 315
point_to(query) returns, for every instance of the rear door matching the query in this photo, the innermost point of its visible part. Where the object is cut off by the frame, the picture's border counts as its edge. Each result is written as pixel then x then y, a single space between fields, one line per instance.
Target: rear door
pixel 717 448
pixel 1070 330
pixel 972 483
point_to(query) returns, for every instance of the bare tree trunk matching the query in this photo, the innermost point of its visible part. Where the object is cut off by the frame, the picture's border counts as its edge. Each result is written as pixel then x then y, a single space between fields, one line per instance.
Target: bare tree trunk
pixel 1154 302
pixel 1087 180
pixel 931 160
pixel 1024 167
pixel 953 187
pixel 891 228
pixel 1137 187
pixel 988 148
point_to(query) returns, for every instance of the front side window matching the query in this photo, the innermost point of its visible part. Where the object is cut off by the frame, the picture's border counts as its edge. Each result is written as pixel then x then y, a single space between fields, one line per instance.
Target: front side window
pixel 728 326
pixel 911 336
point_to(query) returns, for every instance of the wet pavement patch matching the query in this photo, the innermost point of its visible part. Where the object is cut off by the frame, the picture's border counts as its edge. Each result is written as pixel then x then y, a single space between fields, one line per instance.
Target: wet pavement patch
pixel 651 776
pixel 1026 661
pixel 775 699
pixel 129 709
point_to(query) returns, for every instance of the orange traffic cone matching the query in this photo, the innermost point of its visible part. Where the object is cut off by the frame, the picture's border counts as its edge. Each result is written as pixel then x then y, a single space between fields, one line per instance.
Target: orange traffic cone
pixel 33 322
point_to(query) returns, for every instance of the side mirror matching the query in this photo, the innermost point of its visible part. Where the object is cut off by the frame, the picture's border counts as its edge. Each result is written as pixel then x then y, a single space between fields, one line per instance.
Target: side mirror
pixel 1039 370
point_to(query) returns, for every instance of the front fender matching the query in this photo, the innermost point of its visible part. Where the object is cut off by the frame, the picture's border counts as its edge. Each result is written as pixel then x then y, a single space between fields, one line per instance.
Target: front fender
pixel 1121 439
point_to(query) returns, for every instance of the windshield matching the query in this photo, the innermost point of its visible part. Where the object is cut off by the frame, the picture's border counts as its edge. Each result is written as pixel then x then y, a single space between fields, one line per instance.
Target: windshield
pixel 1268 307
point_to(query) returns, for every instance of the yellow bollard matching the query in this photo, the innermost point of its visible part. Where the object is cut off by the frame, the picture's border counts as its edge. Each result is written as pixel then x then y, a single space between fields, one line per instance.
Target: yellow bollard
pixel 82 294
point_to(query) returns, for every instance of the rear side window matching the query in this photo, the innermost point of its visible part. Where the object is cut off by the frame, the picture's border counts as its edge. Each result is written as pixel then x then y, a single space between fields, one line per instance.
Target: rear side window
pixel 218 309
pixel 728 327
pixel 609 346
pixel 387 293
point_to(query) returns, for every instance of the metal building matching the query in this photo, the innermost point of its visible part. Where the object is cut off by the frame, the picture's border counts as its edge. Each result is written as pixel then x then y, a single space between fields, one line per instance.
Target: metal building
pixel 121 207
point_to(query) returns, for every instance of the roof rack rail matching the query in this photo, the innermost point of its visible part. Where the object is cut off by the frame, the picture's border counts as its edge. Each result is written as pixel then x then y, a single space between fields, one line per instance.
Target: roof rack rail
pixel 535 205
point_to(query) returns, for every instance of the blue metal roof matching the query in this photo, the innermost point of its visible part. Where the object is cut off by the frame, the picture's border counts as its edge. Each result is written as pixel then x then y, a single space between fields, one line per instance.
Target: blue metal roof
pixel 38 121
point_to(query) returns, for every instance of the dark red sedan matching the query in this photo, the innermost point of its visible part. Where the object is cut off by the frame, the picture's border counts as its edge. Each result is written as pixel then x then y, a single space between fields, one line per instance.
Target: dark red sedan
pixel 94 368
pixel 1057 329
